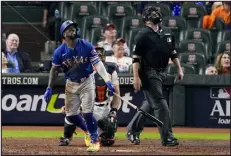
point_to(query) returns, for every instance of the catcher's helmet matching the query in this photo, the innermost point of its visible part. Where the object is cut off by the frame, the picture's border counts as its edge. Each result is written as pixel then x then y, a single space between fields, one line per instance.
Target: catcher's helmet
pixel 67 24
pixel 101 52
pixel 151 13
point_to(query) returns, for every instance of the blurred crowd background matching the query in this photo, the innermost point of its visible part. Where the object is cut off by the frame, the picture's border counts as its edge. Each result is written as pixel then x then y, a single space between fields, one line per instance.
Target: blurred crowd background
pixel 30 32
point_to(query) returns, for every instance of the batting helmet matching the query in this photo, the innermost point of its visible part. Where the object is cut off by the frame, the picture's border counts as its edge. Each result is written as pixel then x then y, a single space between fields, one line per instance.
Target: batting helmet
pixel 67 24
pixel 151 13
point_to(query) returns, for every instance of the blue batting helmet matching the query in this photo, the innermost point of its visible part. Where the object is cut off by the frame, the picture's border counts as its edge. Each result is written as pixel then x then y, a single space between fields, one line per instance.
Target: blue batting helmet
pixel 67 24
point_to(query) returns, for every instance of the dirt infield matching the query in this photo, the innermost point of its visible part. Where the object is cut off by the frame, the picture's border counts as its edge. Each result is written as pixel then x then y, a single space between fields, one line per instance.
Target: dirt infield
pixel 45 146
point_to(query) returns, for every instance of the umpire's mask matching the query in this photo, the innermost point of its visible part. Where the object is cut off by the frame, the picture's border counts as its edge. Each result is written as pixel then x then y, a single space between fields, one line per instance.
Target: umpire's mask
pixel 151 13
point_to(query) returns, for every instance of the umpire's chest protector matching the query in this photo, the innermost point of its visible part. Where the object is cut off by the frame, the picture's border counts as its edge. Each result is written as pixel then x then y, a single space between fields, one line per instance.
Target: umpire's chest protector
pixel 100 85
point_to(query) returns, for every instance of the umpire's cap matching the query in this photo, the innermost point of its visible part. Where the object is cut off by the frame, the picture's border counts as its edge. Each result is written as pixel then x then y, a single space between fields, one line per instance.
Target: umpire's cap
pixel 67 24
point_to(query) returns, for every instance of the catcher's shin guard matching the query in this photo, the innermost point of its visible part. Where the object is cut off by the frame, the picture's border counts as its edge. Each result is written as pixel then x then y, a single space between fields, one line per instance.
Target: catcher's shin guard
pixel 69 128
pixel 109 126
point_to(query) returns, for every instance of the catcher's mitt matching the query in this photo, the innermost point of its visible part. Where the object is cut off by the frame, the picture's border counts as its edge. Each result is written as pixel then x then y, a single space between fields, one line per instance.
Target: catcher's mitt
pixel 109 123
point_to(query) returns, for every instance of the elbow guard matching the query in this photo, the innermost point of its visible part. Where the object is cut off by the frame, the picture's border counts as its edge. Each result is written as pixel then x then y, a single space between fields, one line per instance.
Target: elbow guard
pixel 135 60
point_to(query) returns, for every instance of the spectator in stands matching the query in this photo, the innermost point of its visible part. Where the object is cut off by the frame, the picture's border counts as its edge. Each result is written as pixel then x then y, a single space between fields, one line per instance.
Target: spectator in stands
pixel 216 5
pixel 223 66
pixel 223 12
pixel 20 61
pixel 223 63
pixel 124 63
pixel 211 71
pixel 110 35
pixel 49 19
pixel 4 63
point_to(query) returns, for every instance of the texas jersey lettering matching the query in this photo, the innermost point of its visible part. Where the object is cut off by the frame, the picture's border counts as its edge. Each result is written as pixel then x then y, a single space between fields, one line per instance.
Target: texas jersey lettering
pixel 77 62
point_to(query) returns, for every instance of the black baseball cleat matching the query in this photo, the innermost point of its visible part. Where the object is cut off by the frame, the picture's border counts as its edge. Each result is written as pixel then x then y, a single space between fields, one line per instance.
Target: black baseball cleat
pixel 170 142
pixel 133 138
pixel 64 141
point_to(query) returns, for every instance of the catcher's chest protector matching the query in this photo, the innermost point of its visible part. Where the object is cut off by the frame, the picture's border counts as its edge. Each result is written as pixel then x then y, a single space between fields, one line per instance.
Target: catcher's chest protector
pixel 100 85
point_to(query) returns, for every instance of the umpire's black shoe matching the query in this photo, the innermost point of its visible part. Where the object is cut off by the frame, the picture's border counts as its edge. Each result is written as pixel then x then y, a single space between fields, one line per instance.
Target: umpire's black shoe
pixel 64 141
pixel 173 138
pixel 170 142
pixel 133 138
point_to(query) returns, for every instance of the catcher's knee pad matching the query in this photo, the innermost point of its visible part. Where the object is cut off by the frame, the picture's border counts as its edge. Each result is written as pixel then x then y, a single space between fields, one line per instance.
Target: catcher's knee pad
pixel 107 139
pixel 69 128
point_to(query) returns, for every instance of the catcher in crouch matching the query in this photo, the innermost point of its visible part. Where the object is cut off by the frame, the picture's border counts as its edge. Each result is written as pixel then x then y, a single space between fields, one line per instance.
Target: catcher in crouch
pixel 105 108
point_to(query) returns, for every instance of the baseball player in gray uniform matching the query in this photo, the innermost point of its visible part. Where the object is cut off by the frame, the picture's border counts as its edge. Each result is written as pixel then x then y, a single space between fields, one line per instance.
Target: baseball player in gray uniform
pixel 105 108
pixel 77 58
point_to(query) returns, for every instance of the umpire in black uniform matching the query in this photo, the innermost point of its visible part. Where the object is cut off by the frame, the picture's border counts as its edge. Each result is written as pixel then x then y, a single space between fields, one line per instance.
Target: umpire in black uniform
pixel 154 46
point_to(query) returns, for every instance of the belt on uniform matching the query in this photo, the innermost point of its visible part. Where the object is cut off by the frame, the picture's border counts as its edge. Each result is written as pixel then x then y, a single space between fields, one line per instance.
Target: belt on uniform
pixel 158 69
pixel 79 80
pixel 101 104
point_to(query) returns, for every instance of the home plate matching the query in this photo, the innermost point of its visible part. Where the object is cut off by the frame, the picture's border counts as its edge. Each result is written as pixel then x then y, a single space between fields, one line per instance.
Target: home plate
pixel 127 151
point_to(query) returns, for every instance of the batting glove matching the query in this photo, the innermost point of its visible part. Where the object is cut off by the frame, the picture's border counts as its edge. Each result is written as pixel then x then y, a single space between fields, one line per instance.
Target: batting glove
pixel 111 88
pixel 48 94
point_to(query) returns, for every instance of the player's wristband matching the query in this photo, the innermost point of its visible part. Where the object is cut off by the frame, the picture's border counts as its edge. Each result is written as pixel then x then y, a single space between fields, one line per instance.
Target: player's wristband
pixel 48 88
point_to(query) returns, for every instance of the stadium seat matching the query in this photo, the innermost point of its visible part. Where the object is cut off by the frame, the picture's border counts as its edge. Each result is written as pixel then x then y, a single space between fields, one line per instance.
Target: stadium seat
pixel 95 35
pixel 223 36
pixel 163 7
pixel 187 69
pixel 79 10
pixel 64 9
pixel 192 13
pixel 218 25
pixel 176 24
pixel 102 6
pixel 117 12
pixel 131 38
pixel 223 46
pixel 49 47
pixel 192 46
pixel 196 59
pixel 90 22
pixel 84 2
pixel 129 23
pixel 199 34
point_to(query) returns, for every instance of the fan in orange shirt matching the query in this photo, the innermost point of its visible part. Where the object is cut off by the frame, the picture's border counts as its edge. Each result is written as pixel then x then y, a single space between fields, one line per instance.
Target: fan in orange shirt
pixel 223 12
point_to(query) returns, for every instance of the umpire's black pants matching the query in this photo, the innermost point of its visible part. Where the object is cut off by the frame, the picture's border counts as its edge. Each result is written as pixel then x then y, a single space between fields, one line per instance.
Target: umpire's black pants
pixel 154 103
